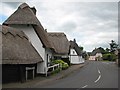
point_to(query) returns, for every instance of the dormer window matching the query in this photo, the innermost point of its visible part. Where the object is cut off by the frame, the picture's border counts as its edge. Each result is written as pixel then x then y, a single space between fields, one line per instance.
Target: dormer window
pixel 73 52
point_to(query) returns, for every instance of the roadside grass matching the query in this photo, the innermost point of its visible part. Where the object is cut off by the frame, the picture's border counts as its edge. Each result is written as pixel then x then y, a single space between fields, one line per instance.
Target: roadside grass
pixel 107 61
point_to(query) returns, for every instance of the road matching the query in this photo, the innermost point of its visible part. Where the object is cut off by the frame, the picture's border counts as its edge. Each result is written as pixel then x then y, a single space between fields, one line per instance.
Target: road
pixel 96 74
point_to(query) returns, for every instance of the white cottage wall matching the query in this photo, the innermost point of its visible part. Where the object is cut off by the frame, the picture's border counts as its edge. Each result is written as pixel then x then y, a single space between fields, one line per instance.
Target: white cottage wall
pixel 74 58
pixel 73 52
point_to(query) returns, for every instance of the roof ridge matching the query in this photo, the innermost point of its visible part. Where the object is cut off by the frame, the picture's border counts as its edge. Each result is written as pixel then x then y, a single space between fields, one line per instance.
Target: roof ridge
pixel 56 34
pixel 23 5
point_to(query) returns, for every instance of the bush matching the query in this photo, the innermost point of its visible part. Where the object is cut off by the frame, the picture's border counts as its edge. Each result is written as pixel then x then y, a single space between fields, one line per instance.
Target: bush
pixel 66 60
pixel 56 71
pixel 61 62
pixel 110 57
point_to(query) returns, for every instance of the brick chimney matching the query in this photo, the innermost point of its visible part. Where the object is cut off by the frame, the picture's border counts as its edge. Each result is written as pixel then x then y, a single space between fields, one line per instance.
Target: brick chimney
pixel 34 10
pixel 74 40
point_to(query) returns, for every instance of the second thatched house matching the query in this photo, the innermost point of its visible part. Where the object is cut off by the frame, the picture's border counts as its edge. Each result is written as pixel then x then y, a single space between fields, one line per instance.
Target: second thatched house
pixel 60 44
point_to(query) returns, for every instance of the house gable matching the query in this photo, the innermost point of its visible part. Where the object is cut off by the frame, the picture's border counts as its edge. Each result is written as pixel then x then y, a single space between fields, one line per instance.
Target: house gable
pixel 25 15
pixel 74 45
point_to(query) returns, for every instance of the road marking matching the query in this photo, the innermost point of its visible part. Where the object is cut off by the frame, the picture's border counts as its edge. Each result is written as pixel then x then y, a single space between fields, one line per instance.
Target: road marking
pixel 85 86
pixel 99 71
pixel 98 79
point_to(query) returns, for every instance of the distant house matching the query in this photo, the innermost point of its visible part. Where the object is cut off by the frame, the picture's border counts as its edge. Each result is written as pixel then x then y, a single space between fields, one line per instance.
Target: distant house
pixel 24 18
pixel 96 55
pixel 19 57
pixel 75 53
pixel 60 44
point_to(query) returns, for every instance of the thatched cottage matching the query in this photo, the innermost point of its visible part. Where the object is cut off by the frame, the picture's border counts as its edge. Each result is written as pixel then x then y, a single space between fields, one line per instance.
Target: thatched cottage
pixel 75 53
pixel 60 44
pixel 19 57
pixel 95 55
pixel 24 18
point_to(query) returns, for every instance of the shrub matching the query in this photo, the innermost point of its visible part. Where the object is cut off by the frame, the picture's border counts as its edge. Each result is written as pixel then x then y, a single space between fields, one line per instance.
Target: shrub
pixel 109 56
pixel 66 60
pixel 56 71
pixel 61 62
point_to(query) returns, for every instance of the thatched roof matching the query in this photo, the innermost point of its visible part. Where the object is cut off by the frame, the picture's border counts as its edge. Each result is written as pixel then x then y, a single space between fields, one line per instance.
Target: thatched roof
pixel 59 42
pixel 42 34
pixel 16 49
pixel 75 46
pixel 26 15
pixel 95 51
pixel 23 15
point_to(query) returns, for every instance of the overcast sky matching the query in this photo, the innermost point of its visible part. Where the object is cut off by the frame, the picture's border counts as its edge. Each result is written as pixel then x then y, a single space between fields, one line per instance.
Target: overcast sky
pixel 92 24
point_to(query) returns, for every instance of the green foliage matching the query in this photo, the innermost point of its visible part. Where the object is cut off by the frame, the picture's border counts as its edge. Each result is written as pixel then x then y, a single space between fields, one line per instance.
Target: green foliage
pixel 113 46
pixel 109 57
pixel 66 60
pixel 62 63
pixel 107 50
pixel 56 71
pixel 81 48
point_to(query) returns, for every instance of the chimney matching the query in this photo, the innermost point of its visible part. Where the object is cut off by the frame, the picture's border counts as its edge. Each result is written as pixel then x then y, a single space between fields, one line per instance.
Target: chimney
pixel 74 40
pixel 45 30
pixel 34 10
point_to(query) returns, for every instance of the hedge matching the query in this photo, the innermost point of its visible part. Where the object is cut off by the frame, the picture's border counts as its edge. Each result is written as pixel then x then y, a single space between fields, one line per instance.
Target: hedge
pixel 110 57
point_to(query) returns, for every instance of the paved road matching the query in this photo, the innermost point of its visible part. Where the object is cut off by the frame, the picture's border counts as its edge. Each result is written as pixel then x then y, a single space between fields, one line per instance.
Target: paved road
pixel 94 75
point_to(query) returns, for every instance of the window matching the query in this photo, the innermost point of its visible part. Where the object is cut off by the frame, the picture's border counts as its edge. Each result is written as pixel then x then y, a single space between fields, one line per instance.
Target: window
pixel 73 52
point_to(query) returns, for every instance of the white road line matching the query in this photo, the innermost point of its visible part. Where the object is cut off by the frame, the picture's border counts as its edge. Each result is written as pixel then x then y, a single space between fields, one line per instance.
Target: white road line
pixel 99 71
pixel 98 79
pixel 85 86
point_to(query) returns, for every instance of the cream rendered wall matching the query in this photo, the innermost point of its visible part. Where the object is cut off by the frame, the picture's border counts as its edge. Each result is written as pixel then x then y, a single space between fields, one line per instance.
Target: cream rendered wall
pixel 35 41
pixel 98 55
pixel 92 58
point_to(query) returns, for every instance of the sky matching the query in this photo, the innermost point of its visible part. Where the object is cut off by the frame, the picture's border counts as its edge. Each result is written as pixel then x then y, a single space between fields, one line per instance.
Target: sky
pixel 92 24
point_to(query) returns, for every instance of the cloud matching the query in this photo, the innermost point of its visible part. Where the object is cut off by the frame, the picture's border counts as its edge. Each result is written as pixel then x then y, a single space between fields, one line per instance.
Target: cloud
pixel 13 5
pixel 93 24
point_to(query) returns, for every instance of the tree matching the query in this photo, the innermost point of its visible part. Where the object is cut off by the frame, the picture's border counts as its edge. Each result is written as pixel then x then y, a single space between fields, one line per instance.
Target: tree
pixel 113 46
pixel 81 48
pixel 107 50
pixel 85 55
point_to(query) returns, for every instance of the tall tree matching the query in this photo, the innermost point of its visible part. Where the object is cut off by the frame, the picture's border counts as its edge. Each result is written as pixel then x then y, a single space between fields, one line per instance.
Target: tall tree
pixel 102 50
pixel 107 50
pixel 113 46
pixel 81 48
